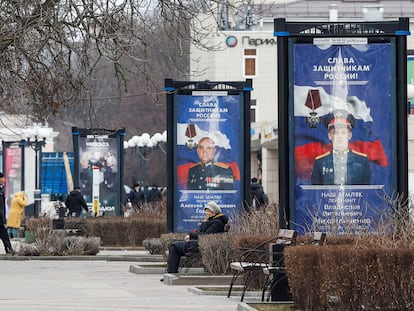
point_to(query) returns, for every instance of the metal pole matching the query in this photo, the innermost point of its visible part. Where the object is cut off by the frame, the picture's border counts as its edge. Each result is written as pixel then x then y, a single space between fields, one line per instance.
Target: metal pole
pixel 145 166
pixel 36 191
pixel 36 166
pixel 39 159
pixel 37 147
pixel 283 121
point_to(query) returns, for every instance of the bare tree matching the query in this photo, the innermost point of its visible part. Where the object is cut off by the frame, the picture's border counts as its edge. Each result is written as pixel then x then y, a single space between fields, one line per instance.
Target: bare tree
pixel 96 63
pixel 53 51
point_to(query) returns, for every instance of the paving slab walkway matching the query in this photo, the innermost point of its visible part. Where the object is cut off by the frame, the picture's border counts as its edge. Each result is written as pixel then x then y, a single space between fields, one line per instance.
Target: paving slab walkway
pixel 44 285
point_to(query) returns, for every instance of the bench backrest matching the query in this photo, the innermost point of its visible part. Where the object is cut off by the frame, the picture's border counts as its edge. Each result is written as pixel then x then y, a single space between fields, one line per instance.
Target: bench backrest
pixel 285 238
pixel 319 238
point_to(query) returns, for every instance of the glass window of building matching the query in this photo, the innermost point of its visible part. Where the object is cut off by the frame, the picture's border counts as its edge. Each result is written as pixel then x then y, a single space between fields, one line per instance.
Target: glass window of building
pixel 253 110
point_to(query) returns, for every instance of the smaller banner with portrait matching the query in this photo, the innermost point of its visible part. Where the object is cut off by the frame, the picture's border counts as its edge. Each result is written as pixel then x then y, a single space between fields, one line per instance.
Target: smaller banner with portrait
pixel 13 169
pixel 208 155
pixel 98 167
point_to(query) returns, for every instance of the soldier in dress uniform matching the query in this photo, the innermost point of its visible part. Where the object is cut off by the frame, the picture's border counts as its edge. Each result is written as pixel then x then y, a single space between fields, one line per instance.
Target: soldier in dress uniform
pixel 341 165
pixel 207 174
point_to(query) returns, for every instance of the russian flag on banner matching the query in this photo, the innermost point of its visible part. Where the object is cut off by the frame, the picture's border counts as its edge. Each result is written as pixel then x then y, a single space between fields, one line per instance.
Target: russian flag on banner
pixel 355 78
pixel 311 139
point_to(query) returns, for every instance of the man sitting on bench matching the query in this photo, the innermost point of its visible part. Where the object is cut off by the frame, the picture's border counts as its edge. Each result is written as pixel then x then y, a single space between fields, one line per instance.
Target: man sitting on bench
pixel 214 222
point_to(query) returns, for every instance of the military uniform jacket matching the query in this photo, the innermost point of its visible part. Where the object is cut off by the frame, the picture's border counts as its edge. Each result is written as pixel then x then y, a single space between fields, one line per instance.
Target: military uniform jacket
pixel 358 169
pixel 212 176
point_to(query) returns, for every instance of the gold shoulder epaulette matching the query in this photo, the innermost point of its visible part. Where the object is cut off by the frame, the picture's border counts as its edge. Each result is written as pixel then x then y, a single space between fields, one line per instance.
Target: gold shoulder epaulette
pixel 195 164
pixel 221 164
pixel 360 153
pixel 322 155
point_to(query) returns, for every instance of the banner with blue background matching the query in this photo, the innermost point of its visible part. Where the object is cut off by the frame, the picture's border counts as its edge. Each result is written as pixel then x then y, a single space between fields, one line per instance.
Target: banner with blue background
pixel 208 156
pixel 330 80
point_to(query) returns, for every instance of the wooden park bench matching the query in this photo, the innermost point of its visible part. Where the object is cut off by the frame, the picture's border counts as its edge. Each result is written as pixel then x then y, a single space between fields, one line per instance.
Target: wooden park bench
pixel 254 260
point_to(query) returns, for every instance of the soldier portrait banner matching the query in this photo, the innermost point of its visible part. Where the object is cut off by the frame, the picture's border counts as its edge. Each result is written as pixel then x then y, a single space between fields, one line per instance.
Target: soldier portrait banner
pixel 98 168
pixel 342 113
pixel 343 98
pixel 209 155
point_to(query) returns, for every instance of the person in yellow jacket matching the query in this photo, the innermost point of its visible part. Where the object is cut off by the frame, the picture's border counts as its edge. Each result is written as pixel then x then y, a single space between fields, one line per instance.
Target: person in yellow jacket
pixel 14 220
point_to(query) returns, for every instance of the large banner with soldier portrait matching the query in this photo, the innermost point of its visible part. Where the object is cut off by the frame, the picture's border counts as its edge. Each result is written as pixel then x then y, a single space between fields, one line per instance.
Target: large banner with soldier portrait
pixel 208 155
pixel 344 125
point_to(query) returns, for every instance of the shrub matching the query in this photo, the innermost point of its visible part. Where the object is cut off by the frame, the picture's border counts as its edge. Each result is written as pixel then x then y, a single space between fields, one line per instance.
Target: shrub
pixel 247 241
pixel 364 271
pixel 29 250
pixel 113 231
pixel 153 245
pixel 116 231
pixel 57 243
pixel 346 277
pixel 264 221
pixel 39 227
pixel 216 252
pixel 156 210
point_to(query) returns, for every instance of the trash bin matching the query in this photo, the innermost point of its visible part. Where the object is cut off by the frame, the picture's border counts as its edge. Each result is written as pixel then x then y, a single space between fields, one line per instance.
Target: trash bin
pixel 279 287
pixel 29 210
pixel 58 223
pixel 280 290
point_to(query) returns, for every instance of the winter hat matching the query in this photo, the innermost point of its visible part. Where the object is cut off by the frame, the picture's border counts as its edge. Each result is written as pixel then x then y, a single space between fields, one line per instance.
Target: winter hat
pixel 213 207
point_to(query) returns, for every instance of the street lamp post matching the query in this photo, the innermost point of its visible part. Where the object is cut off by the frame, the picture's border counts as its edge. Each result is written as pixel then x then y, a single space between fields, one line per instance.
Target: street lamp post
pixel 36 139
pixel 143 146
pixel 37 146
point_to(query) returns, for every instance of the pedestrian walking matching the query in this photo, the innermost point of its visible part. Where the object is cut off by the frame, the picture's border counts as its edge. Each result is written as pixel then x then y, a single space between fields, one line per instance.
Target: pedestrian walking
pixel 14 219
pixel 4 236
pixel 75 202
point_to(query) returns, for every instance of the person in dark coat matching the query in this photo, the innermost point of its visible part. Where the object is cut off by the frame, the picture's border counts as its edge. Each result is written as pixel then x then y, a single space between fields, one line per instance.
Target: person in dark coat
pixel 4 236
pixel 75 202
pixel 258 196
pixel 214 222
pixel 154 194
pixel 136 196
pixel 341 165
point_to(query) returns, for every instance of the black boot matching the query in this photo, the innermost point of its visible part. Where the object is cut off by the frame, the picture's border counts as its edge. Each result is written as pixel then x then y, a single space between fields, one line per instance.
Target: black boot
pixel 9 249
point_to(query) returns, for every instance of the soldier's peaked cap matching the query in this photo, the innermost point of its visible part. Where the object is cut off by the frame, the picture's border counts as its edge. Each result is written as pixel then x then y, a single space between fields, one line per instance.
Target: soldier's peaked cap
pixel 339 118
